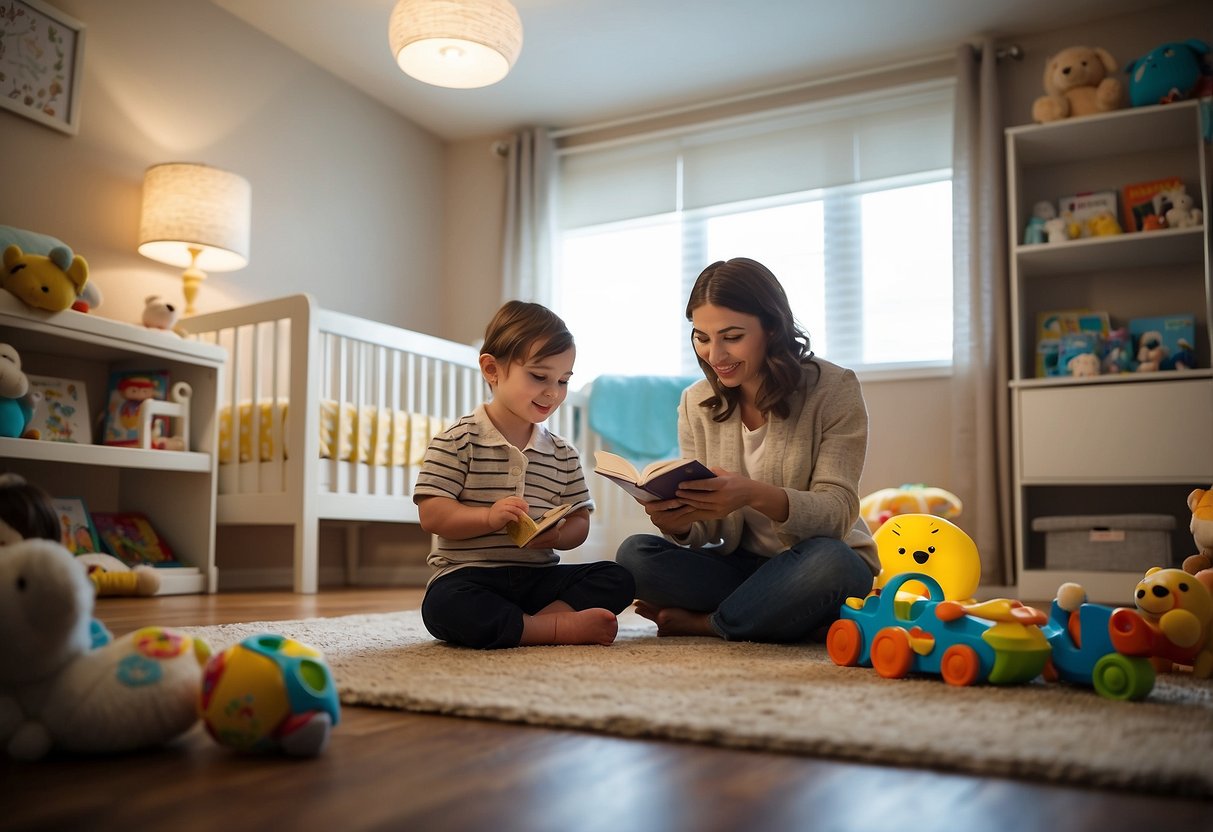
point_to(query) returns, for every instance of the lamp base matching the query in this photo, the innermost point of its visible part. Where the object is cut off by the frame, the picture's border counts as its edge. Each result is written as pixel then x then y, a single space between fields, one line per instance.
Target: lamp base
pixel 191 280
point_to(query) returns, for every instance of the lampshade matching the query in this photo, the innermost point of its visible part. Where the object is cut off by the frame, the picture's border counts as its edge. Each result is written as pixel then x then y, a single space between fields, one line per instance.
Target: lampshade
pixel 196 217
pixel 455 43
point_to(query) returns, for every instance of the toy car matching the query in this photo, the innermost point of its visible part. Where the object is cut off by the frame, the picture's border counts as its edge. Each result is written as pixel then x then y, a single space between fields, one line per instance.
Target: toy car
pixel 1102 647
pixel 994 641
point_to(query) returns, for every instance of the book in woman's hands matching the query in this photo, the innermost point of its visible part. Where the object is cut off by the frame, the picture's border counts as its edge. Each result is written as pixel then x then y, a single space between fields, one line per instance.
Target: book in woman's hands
pixel 656 481
pixel 524 529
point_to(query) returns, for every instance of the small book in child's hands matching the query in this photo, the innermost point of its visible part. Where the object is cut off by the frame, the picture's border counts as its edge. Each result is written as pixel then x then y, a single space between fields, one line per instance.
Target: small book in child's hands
pixel 656 481
pixel 524 529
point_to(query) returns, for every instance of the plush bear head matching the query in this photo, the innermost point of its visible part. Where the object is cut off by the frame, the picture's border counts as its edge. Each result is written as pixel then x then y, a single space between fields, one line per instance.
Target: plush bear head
pixel 1167 73
pixel 51 282
pixel 159 313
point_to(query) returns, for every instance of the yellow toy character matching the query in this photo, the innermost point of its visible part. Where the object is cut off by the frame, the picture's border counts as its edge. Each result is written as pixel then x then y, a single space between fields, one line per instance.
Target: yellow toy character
pixel 51 282
pixel 930 545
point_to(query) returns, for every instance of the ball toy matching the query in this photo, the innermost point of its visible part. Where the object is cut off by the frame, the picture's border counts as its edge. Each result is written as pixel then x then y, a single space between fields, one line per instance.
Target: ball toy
pixel 270 693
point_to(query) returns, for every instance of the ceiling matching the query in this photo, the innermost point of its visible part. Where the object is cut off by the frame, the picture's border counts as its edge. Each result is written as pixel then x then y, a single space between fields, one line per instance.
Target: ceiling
pixel 589 61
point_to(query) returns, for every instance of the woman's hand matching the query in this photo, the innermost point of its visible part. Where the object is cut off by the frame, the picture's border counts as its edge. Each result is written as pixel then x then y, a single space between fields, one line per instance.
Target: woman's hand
pixel 726 492
pixel 672 517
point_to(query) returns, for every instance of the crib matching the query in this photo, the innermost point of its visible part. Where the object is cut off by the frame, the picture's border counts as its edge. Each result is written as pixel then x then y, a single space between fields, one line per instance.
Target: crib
pixel 326 416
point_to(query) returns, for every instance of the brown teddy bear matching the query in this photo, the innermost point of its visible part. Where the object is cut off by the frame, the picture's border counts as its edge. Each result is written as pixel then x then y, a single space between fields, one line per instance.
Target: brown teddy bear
pixel 1077 84
pixel 1201 563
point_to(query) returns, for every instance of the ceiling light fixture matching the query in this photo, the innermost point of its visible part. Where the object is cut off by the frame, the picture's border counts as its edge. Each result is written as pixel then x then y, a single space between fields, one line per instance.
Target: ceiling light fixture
pixel 455 43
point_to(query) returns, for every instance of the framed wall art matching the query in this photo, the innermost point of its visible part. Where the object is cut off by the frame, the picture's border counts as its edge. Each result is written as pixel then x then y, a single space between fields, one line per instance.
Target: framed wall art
pixel 41 60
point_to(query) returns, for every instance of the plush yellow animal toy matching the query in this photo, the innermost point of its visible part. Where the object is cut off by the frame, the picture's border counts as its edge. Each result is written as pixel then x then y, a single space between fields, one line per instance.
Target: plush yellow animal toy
pixel 51 282
pixel 916 498
pixel 1078 82
pixel 1182 609
pixel 932 546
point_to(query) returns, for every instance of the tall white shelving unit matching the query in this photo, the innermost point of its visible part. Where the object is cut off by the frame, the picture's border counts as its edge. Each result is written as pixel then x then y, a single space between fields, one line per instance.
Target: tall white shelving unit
pixel 175 489
pixel 1112 444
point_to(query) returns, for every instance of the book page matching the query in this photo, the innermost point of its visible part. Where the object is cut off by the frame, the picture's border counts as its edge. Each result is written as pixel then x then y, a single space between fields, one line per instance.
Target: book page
pixel 608 463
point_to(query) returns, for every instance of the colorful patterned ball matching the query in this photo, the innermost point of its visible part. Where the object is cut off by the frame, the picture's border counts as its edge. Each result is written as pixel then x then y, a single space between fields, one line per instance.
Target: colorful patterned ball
pixel 270 693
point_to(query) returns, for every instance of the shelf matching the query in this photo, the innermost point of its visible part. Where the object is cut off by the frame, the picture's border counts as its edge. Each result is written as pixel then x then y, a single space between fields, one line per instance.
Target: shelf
pixel 1123 378
pixel 1122 251
pixel 1163 128
pixel 104 455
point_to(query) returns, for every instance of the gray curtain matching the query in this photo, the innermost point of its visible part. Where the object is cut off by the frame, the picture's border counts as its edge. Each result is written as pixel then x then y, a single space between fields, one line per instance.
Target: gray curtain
pixel 526 266
pixel 981 435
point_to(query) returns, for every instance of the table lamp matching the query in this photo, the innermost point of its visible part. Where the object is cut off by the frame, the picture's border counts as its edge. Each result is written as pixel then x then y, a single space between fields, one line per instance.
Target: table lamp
pixel 195 217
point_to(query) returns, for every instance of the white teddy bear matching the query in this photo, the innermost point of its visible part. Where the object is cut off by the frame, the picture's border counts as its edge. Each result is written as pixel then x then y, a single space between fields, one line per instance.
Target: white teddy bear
pixel 1183 212
pixel 159 313
pixel 56 692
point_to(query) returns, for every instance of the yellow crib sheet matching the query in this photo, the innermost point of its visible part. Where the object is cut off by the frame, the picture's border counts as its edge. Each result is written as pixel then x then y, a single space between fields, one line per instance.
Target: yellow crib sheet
pixel 377 436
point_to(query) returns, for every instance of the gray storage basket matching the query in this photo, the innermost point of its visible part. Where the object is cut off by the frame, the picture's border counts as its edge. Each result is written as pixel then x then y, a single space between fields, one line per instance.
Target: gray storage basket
pixel 1107 542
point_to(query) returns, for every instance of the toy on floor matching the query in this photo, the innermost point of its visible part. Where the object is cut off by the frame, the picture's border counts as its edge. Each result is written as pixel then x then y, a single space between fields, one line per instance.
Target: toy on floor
pixel 1077 82
pixel 270 693
pixel 112 577
pixel 50 281
pixel 911 498
pixel 16 403
pixel 933 546
pixel 996 641
pixel 1200 503
pixel 1178 610
pixel 138 691
pixel 1093 645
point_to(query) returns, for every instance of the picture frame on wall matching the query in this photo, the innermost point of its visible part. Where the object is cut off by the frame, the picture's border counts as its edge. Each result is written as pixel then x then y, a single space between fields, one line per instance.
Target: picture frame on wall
pixel 41 63
pixel 79 533
pixel 61 411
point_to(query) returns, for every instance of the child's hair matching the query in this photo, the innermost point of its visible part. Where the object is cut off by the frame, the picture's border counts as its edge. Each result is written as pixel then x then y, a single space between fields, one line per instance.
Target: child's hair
pixel 521 331
pixel 747 286
pixel 27 509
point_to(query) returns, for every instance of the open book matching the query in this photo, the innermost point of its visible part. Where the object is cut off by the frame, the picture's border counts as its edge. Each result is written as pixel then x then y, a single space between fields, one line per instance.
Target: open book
pixel 657 481
pixel 524 529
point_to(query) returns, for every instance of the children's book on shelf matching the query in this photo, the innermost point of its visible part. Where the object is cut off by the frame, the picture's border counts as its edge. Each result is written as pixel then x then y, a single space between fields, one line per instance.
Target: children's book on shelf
pixel 1084 206
pixel 127 390
pixel 1164 342
pixel 130 537
pixel 79 535
pixel 1068 331
pixel 60 410
pixel 1138 203
pixel 523 530
pixel 656 481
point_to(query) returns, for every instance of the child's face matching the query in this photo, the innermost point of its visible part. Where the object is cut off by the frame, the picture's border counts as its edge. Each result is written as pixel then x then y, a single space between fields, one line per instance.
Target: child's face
pixel 530 391
pixel 733 343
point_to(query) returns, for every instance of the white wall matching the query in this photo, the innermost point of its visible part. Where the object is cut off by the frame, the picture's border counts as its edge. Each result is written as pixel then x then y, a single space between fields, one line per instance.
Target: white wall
pixel 342 187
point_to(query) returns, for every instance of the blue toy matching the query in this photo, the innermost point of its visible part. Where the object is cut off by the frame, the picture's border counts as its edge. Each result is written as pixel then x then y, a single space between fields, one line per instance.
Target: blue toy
pixel 996 641
pixel 1091 646
pixel 270 693
pixel 1167 73
pixel 16 405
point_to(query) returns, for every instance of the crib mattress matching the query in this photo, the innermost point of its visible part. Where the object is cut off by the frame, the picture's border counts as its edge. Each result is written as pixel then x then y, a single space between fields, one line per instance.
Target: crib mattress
pixel 368 434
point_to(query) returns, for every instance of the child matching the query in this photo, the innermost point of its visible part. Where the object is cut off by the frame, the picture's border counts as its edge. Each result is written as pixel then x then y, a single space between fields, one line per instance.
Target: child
pixel 26 512
pixel 494 466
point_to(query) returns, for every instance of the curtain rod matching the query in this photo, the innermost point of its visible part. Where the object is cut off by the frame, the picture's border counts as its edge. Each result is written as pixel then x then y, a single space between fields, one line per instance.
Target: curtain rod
pixel 566 132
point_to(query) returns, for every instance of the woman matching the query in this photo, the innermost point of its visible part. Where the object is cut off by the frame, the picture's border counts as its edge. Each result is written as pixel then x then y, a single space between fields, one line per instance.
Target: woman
pixel 769 548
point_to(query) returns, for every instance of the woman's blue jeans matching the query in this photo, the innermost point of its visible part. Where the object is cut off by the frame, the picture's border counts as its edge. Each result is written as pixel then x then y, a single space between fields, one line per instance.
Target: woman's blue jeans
pixel 784 598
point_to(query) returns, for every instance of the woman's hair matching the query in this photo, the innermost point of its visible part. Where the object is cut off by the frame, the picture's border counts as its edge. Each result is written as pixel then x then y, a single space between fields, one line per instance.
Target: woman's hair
pixel 747 286
pixel 521 331
pixel 27 509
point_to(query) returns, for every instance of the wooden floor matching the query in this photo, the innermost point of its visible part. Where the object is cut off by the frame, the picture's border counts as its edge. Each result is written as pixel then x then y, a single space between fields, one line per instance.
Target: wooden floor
pixel 387 770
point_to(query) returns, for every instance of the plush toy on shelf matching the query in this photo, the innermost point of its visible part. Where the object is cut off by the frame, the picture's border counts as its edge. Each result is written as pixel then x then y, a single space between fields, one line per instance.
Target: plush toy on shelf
pixel 16 403
pixel 1182 211
pixel 159 313
pixel 1034 233
pixel 52 281
pixel 1167 73
pixel 56 692
pixel 1077 82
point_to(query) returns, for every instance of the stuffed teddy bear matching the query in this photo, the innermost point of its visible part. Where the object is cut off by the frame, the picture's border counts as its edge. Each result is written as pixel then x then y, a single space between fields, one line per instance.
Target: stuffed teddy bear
pixel 16 403
pixel 1077 83
pixel 1167 73
pixel 1182 212
pixel 159 313
pixel 1200 502
pixel 52 281
pixel 56 692
pixel 1181 607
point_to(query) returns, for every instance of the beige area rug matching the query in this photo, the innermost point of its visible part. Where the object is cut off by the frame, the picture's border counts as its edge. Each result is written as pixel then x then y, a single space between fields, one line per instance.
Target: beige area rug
pixel 771 697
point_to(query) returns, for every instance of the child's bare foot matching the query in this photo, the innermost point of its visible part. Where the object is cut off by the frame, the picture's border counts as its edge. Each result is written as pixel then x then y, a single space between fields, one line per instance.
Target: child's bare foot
pixel 673 621
pixel 592 626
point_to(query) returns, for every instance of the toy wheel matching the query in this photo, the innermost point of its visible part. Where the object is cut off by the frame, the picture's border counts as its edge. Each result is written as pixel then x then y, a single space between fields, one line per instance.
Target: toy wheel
pixel 1050 673
pixel 844 642
pixel 891 654
pixel 1116 676
pixel 960 665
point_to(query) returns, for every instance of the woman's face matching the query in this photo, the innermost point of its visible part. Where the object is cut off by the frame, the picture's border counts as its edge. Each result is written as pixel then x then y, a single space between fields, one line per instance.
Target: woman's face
pixel 733 343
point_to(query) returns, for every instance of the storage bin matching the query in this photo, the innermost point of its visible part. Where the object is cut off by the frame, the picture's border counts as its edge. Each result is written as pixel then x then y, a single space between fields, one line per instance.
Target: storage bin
pixel 1107 542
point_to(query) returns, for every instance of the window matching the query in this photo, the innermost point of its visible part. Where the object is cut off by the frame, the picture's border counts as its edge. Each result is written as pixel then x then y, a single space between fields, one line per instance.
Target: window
pixel 848 203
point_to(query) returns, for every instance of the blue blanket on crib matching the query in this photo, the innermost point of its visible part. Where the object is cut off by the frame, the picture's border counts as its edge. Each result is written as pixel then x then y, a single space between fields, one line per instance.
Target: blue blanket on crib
pixel 637 416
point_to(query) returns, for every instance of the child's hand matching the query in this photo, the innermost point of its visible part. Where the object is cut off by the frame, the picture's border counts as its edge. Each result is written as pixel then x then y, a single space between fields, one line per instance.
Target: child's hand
pixel 547 540
pixel 505 510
